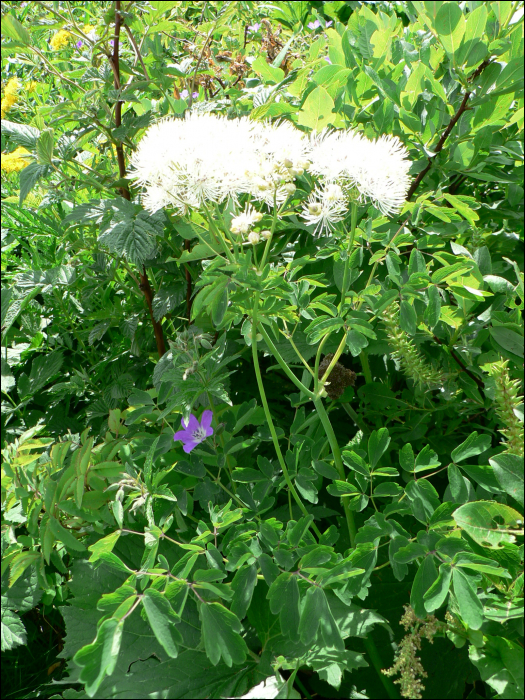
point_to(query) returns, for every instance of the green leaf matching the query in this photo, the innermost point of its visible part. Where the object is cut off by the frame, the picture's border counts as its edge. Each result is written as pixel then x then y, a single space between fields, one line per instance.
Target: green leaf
pixel 284 598
pixel 356 342
pixel 317 110
pixel 13 630
pixel 316 614
pixel 426 459
pixel 458 487
pixel 269 73
pixel 29 176
pixel 490 524
pixel 243 585
pixel 508 469
pixel 44 147
pixel 450 27
pixel 100 658
pixel 474 445
pixel 438 591
pixel 325 469
pixel 103 545
pixel 12 28
pixel 65 536
pixel 406 457
pixel 162 620
pixel 423 580
pixel 342 488
pixel 470 606
pixel 509 340
pixel 220 630
pixel 378 443
pixel 299 530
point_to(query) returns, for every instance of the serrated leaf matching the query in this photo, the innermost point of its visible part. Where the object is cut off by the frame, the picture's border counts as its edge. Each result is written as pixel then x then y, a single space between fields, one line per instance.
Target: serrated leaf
pixel 13 630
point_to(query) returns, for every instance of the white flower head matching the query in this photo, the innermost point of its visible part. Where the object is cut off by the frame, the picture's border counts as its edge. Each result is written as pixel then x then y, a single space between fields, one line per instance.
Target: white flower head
pixel 323 210
pixel 377 169
pixel 254 238
pixel 242 223
pixel 187 163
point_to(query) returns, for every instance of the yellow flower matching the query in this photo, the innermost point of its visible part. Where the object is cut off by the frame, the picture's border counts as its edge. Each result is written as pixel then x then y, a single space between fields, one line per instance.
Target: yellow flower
pixel 12 87
pixel 10 95
pixel 60 39
pixel 15 161
pixel 88 28
pixel 31 86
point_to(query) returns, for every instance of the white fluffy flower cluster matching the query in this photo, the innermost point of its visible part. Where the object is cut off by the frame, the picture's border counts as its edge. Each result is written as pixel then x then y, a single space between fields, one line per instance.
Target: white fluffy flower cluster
pixel 378 170
pixel 187 163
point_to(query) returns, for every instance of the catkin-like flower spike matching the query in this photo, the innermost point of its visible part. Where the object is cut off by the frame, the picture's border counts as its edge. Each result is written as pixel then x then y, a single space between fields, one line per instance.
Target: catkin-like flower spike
pixel 506 399
pixel 405 352
pixel 377 169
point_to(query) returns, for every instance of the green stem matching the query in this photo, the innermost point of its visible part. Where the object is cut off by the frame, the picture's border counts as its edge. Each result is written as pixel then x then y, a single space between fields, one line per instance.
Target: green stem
pixel 269 241
pixel 281 362
pixel 338 463
pixel 269 416
pixel 318 355
pixel 218 235
pixel 366 367
pixel 371 649
pixel 353 415
pixel 353 222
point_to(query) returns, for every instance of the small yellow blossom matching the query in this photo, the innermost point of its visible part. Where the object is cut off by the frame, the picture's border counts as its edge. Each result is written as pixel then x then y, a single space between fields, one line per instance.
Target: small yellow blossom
pixel 10 95
pixel 31 86
pixel 60 39
pixel 88 28
pixel 15 161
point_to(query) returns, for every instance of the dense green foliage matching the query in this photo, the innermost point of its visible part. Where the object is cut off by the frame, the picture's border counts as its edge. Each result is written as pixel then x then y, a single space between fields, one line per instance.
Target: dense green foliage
pixel 366 465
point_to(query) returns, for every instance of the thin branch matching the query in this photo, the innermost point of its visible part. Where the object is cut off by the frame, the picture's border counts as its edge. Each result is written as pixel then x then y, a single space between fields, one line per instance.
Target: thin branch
pixel 137 50
pixel 157 328
pixel 462 365
pixel 446 133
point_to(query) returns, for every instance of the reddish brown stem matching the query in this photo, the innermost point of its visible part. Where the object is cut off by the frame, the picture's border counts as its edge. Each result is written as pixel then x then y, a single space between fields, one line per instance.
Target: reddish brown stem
pixel 118 107
pixel 446 133
pixel 157 328
pixel 144 281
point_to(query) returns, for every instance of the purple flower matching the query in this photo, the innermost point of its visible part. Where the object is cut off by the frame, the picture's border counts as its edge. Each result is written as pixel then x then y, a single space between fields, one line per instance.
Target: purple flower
pixel 194 432
pixel 79 44
pixel 185 94
pixel 254 27
pixel 328 24
pixel 327 59
pixel 111 42
pixel 314 25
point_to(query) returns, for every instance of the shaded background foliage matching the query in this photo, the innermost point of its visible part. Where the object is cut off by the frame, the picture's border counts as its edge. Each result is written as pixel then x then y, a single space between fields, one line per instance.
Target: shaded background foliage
pixel 95 291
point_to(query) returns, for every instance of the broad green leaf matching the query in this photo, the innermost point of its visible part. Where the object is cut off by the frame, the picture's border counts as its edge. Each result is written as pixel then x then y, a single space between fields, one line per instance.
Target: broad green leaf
pixel 508 339
pixel 284 597
pixel 162 620
pixel 220 630
pixel 434 307
pixel 105 544
pixel 65 536
pixel 458 487
pixel 342 488
pixel 100 658
pixel 406 457
pixel 474 445
pixel 508 469
pixel 243 585
pixel 423 580
pixel 12 28
pixel 426 459
pixel 316 112
pixel 470 606
pixel 438 591
pixel 356 342
pixel 270 73
pixel 450 27
pixel 490 524
pixel 378 443
pixel 317 614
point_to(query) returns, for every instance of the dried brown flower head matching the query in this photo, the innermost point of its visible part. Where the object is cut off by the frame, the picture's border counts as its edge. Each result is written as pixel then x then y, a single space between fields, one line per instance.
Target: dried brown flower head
pixel 339 378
